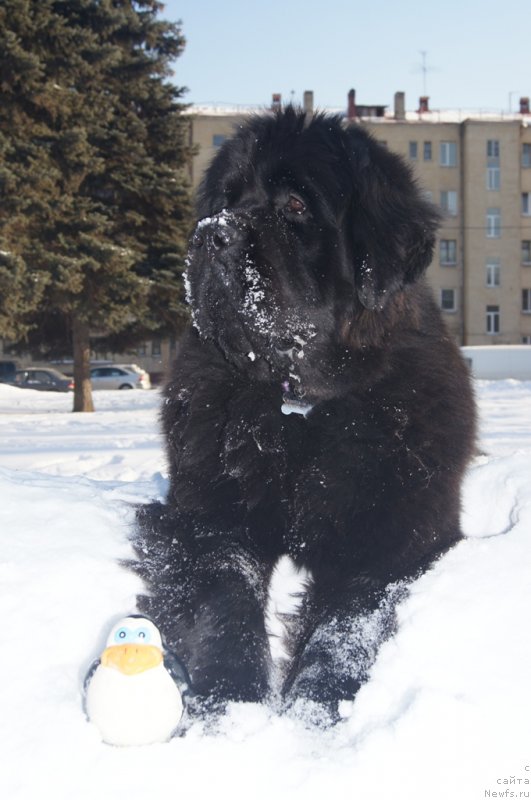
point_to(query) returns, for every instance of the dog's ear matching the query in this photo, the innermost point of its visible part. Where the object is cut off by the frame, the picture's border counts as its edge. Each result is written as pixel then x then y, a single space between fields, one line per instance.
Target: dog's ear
pixel 392 226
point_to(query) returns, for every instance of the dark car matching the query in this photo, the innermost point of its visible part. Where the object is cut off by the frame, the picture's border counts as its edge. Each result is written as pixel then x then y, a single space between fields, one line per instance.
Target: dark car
pixel 45 379
pixel 7 371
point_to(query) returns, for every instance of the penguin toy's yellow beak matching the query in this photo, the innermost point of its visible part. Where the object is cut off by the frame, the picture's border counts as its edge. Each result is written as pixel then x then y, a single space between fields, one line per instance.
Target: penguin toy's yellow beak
pixel 131 659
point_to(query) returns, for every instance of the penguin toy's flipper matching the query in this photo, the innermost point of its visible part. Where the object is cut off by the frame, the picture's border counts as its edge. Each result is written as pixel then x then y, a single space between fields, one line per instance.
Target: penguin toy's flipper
pixel 136 692
pixel 178 672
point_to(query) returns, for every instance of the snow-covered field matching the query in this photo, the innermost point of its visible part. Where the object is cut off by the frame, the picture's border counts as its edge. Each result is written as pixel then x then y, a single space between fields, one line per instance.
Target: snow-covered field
pixel 447 710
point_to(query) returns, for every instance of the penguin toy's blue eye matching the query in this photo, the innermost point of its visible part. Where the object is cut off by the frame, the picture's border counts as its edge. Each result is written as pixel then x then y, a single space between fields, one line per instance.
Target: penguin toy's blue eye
pixel 122 635
pixel 143 635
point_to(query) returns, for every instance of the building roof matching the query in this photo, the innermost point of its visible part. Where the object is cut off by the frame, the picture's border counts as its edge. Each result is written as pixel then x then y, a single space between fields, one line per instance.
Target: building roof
pixel 431 116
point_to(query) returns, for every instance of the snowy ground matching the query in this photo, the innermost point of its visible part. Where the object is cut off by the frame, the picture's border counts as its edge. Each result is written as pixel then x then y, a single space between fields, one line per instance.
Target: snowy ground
pixel 446 713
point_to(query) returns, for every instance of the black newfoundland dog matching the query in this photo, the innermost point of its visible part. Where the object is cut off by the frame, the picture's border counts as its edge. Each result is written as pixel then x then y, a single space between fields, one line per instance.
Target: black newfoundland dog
pixel 318 408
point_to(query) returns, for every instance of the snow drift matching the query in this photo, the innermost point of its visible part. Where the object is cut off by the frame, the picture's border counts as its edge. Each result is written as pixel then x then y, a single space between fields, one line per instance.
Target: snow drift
pixel 445 713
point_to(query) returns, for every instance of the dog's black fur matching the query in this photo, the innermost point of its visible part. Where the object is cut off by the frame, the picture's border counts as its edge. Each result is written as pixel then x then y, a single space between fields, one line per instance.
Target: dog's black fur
pixel 304 280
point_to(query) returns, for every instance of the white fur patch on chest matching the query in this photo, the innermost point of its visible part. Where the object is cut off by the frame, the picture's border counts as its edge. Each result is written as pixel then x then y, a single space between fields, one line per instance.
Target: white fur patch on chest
pixel 286 593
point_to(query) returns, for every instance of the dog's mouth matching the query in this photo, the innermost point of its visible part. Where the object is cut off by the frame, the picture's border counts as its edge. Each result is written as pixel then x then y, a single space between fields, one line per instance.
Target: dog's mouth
pixel 231 293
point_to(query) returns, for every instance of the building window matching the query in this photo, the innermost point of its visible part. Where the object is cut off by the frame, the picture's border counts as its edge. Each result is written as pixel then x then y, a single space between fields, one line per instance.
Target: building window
pixel 526 155
pixel 493 223
pixel 413 151
pixel 493 179
pixel 155 347
pixel 448 302
pixel 141 350
pixel 218 139
pixel 526 339
pixel 526 251
pixel 526 301
pixel 448 252
pixel 449 203
pixel 427 151
pixel 448 154
pixel 493 273
pixel 493 319
pixel 526 204
pixel 493 152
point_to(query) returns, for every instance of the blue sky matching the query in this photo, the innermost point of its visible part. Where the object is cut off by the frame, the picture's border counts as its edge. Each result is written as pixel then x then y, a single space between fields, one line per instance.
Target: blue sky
pixel 478 54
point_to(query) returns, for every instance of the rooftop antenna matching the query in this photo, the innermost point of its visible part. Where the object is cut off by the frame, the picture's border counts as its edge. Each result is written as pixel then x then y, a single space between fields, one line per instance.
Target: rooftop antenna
pixel 424 70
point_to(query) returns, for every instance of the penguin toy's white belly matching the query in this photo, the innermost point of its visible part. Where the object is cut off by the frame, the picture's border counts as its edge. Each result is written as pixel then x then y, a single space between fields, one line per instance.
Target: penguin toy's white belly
pixel 133 709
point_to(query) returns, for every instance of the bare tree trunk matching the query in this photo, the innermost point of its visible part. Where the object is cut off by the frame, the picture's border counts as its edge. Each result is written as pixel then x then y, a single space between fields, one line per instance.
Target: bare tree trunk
pixel 82 385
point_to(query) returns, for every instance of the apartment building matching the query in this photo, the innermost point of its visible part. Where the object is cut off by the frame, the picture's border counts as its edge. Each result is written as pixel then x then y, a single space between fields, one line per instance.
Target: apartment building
pixel 477 168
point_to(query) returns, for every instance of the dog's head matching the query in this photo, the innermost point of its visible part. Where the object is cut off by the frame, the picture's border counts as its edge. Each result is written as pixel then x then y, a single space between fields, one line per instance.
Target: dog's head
pixel 303 223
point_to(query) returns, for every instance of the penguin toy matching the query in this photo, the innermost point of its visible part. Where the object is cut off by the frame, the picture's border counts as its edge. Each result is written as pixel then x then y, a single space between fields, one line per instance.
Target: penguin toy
pixel 136 692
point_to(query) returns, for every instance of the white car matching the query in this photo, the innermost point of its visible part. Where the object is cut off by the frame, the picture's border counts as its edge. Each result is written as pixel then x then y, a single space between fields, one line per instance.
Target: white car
pixel 119 376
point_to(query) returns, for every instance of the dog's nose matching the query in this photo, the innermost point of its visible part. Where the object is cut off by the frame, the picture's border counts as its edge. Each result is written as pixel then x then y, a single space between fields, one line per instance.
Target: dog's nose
pixel 222 237
pixel 221 233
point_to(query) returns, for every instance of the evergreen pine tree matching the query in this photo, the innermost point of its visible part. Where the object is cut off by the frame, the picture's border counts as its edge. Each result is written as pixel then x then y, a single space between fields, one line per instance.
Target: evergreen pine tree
pixel 95 208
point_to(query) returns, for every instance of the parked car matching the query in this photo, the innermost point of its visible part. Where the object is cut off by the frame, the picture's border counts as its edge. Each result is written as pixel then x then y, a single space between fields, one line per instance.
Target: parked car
pixel 8 371
pixel 119 376
pixel 44 379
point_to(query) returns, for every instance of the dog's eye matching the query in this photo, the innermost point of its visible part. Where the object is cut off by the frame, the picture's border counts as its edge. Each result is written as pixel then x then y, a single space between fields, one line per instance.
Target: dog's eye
pixel 295 205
